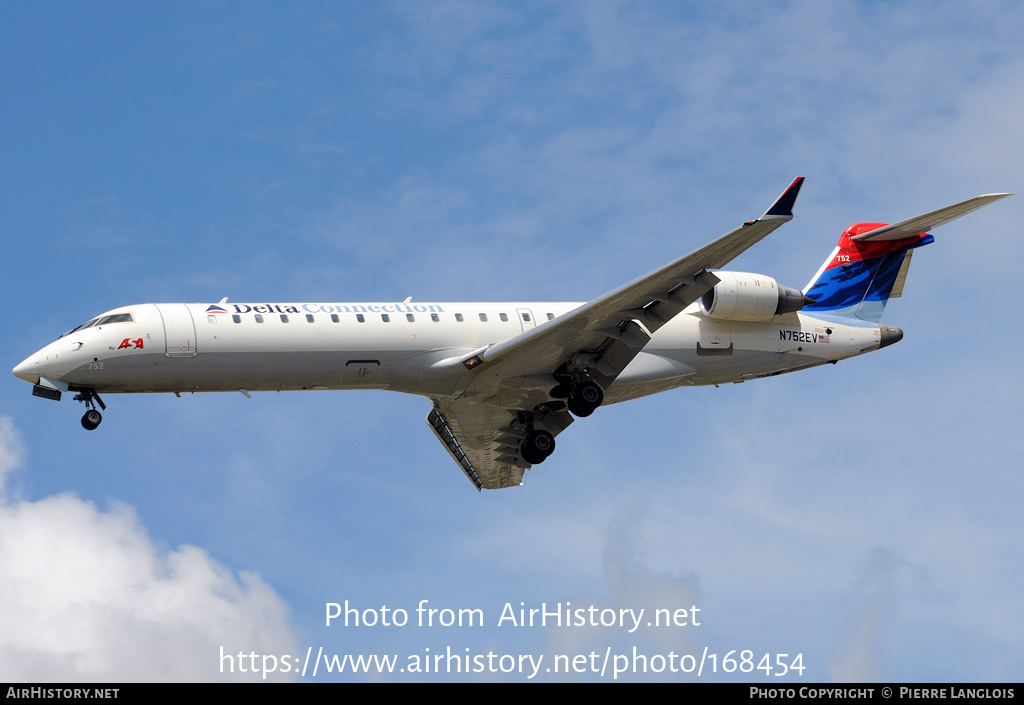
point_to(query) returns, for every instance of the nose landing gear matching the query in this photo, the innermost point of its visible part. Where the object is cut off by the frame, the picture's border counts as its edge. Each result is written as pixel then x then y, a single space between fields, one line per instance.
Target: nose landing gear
pixel 92 417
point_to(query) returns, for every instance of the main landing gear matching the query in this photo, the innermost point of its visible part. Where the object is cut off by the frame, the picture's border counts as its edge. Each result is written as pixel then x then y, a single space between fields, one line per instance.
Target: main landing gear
pixel 537 446
pixel 582 393
pixel 585 396
pixel 92 417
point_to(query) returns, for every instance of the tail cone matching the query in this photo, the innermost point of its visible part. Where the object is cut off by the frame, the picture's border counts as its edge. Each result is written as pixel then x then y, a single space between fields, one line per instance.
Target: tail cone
pixel 890 335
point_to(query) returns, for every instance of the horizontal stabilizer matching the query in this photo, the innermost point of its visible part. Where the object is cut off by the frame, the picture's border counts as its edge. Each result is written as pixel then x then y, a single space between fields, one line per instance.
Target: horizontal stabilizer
pixel 924 223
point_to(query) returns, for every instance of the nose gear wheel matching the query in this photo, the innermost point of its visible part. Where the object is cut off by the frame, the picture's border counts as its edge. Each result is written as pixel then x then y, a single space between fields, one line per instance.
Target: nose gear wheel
pixel 92 417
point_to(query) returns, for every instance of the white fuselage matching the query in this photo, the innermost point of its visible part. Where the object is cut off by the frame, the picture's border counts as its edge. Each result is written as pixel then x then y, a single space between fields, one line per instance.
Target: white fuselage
pixel 405 347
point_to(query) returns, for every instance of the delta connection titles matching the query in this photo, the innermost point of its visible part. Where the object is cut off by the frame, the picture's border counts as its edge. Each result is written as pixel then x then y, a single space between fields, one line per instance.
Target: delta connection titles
pixel 559 614
pixel 403 307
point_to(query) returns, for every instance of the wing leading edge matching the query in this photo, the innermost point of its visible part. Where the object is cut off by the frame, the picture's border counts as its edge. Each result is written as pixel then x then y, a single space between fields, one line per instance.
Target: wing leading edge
pixel 482 426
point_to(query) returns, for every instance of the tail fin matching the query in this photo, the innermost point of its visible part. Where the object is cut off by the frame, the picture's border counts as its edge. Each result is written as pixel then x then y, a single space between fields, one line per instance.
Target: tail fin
pixel 861 276
pixel 870 262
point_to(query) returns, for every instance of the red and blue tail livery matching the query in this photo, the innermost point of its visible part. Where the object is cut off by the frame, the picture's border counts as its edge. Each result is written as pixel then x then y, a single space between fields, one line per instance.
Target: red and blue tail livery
pixel 870 262
pixel 859 277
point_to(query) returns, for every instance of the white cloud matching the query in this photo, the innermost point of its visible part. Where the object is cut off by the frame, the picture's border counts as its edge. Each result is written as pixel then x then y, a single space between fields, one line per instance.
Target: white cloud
pixel 86 595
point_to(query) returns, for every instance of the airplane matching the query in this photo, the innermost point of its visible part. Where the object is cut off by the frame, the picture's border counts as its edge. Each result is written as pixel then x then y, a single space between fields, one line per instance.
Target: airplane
pixel 505 379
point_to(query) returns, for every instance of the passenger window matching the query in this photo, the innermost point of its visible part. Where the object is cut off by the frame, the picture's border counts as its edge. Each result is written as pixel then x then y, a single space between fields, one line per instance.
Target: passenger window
pixel 526 317
pixel 284 318
pixel 551 316
pixel 259 318
pixel 409 317
pixel 435 318
pixel 309 318
pixel 503 317
pixel 236 318
pixel 361 318
pixel 458 317
pixel 334 318
pixel 483 317
pixel 211 318
pixel 385 317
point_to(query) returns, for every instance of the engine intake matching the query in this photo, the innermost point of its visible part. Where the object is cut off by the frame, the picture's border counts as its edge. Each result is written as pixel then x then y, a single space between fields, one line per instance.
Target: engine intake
pixel 740 296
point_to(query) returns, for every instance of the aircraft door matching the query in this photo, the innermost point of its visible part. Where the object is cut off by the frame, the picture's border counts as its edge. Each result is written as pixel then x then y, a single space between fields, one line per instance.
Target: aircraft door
pixel 526 319
pixel 179 330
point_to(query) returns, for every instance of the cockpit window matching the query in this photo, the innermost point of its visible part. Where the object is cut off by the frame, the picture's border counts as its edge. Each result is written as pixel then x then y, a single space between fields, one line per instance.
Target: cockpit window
pixel 90 324
pixel 104 320
pixel 115 318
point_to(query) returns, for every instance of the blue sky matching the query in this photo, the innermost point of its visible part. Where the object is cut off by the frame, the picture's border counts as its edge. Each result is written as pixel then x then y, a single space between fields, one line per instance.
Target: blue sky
pixel 865 515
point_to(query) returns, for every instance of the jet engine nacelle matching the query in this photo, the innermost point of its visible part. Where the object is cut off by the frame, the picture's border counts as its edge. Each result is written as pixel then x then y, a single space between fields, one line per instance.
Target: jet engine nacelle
pixel 740 296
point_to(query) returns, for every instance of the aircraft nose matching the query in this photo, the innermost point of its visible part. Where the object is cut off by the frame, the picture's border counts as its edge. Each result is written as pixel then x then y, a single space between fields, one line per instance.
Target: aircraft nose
pixel 28 370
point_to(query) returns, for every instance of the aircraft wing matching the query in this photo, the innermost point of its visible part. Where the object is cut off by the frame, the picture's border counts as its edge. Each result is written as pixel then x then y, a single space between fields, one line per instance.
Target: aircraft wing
pixel 482 440
pixel 606 330
pixel 478 423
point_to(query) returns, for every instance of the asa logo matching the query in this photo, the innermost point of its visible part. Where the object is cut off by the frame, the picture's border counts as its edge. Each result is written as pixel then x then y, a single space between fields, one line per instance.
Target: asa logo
pixel 128 343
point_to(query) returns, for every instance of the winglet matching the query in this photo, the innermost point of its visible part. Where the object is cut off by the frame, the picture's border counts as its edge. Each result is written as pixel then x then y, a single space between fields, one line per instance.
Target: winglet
pixel 783 206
